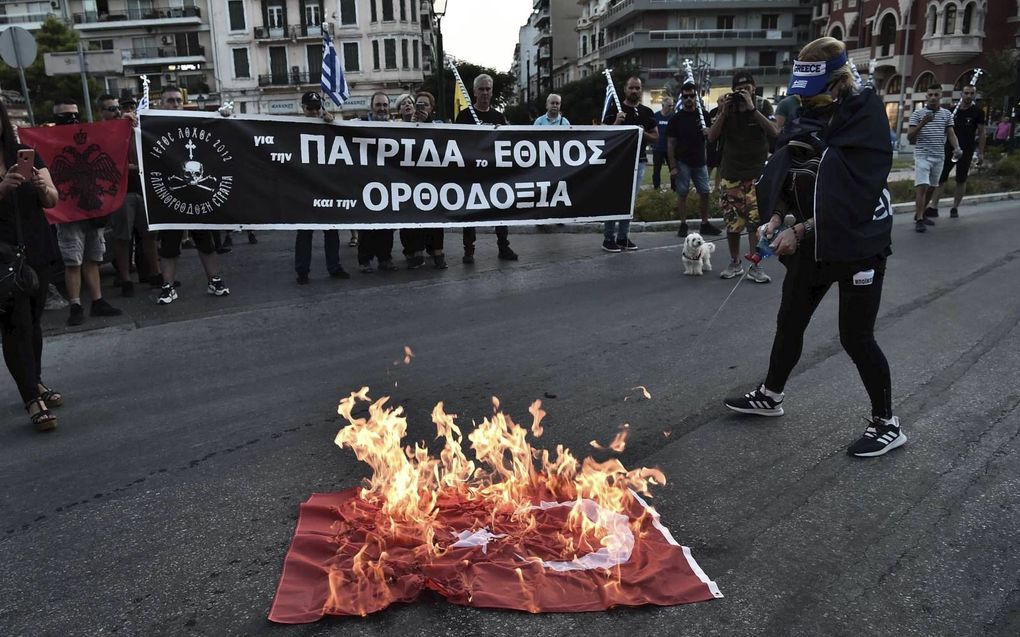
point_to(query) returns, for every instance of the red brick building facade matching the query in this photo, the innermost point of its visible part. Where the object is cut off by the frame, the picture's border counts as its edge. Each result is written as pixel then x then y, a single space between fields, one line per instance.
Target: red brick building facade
pixel 919 42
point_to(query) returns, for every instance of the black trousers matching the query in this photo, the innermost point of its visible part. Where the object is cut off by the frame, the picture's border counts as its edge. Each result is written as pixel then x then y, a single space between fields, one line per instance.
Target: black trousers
pixel 658 159
pixel 303 250
pixel 21 330
pixel 502 240
pixel 376 244
pixel 804 288
pixel 412 240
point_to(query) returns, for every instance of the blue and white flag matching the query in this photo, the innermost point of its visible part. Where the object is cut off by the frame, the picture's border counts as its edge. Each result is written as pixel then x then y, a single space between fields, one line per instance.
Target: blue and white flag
pixel 610 96
pixel 143 104
pixel 334 84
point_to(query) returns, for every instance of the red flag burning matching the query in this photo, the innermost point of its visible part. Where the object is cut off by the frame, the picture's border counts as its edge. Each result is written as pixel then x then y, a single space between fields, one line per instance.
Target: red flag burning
pixel 514 527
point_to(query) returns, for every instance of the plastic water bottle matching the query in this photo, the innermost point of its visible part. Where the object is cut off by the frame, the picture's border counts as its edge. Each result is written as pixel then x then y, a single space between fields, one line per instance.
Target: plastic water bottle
pixel 764 248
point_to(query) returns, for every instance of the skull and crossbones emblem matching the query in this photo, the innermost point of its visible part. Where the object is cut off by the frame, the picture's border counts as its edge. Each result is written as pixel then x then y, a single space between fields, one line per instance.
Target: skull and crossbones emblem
pixel 194 172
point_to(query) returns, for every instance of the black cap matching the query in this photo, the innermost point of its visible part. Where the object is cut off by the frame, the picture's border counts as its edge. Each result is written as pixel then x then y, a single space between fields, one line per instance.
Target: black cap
pixel 742 77
pixel 311 98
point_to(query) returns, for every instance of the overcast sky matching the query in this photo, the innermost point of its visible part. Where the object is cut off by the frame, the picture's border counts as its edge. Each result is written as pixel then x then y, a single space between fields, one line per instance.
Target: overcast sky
pixel 484 31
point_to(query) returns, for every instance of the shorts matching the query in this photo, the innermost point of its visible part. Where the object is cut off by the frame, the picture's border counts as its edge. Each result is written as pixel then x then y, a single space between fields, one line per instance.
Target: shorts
pixel 927 170
pixel 962 167
pixel 170 242
pixel 739 203
pixel 129 217
pixel 80 241
pixel 686 173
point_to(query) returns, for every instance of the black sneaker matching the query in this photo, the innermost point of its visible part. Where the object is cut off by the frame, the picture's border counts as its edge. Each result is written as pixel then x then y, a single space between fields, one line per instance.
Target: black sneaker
pixel 440 261
pixel 880 436
pixel 919 226
pixel 507 254
pixel 468 258
pixel 387 265
pixel 927 221
pixel 302 279
pixel 76 315
pixel 756 402
pixel 627 244
pixel 127 288
pixel 216 287
pixel 931 212
pixel 682 232
pixel 709 229
pixel 415 262
pixel 101 308
pixel 610 246
pixel 340 274
pixel 954 213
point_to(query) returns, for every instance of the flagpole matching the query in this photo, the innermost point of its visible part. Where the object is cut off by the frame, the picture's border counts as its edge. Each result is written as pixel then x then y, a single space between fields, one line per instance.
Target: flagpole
pixel 616 98
pixel 697 90
pixel 463 90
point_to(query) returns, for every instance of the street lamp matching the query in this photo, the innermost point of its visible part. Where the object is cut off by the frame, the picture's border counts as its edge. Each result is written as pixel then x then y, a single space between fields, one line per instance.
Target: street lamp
pixel 438 11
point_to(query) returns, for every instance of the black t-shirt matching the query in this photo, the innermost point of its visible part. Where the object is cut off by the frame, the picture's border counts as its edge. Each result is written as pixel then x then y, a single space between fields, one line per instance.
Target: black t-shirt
pixel 685 128
pixel 639 115
pixel 491 116
pixel 967 123
pixel 40 245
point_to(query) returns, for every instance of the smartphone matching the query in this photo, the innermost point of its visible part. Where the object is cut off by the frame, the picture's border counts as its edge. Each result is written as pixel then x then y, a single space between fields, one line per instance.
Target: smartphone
pixel 26 162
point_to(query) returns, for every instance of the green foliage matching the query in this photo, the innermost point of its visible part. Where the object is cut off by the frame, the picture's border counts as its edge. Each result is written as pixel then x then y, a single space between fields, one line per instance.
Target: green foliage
pixel 44 90
pixel 503 85
pixel 999 80
pixel 1008 166
pixel 582 99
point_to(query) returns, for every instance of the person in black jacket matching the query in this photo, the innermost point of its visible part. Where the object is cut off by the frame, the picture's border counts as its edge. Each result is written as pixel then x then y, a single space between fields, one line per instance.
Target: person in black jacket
pixel 829 171
pixel 20 317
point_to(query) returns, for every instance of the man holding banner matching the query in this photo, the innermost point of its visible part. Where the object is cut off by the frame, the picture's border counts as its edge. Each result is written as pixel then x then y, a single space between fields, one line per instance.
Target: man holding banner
pixel 483 110
pixel 170 240
pixel 631 113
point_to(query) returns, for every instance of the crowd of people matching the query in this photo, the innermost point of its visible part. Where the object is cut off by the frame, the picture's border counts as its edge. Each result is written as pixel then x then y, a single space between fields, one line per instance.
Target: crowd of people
pixel 735 139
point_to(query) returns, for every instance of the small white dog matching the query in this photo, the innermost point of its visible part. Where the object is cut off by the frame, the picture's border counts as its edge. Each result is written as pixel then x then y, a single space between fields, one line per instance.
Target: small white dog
pixel 697 255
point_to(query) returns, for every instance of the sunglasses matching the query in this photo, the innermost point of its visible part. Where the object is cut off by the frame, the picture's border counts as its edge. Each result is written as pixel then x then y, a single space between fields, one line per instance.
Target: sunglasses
pixel 66 117
pixel 111 109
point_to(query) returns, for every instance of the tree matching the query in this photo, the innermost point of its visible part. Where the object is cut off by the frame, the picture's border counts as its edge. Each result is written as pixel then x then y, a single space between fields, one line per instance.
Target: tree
pixel 1000 78
pixel 582 99
pixel 53 37
pixel 503 84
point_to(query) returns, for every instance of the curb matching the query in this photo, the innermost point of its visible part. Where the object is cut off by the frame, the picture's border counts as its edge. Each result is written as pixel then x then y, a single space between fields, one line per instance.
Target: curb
pixel 663 226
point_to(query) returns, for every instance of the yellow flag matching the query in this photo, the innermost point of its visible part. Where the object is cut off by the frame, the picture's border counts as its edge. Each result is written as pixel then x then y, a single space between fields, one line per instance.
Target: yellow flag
pixel 458 102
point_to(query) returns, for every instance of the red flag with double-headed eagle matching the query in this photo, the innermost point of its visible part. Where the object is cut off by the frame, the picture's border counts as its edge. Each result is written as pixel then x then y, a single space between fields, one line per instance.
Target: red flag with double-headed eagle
pixel 88 164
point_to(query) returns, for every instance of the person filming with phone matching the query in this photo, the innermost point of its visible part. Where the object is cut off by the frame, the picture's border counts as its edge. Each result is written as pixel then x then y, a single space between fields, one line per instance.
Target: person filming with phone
pixel 27 249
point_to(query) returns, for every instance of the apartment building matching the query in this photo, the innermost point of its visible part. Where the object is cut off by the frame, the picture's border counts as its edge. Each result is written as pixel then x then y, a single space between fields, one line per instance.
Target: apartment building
pixel 591 36
pixel 554 23
pixel 919 42
pixel 271 50
pixel 29 15
pixel 169 41
pixel 762 36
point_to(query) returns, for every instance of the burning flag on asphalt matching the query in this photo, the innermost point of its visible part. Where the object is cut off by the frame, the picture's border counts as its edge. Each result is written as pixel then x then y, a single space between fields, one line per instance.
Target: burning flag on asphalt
pixel 495 531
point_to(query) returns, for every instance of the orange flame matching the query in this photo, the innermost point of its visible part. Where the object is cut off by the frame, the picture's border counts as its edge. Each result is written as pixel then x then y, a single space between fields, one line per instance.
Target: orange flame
pixel 619 442
pixel 506 478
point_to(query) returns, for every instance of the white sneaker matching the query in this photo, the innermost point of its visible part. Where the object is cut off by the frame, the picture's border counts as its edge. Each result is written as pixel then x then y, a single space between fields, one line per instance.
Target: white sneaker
pixel 732 270
pixel 167 295
pixel 757 274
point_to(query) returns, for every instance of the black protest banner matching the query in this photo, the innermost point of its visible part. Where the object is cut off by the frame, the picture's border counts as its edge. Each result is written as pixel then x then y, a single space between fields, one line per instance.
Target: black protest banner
pixel 205 171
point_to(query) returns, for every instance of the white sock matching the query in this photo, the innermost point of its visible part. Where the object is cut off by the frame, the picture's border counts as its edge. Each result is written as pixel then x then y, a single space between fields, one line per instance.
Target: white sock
pixel 76 301
pixel 894 421
pixel 771 394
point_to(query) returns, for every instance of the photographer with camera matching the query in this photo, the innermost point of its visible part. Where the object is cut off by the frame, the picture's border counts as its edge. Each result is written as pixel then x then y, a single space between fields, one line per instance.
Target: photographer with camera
pixel 744 124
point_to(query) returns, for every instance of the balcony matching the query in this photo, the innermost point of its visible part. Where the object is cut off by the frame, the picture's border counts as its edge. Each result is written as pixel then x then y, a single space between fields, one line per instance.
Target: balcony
pixel 632 8
pixel 163 55
pixel 30 21
pixel 155 15
pixel 951 49
pixel 722 77
pixel 293 78
pixel 291 32
pixel 694 38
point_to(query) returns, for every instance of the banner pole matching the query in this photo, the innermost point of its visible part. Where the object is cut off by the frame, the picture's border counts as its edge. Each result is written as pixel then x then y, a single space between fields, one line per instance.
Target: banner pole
pixel 616 98
pixel 463 91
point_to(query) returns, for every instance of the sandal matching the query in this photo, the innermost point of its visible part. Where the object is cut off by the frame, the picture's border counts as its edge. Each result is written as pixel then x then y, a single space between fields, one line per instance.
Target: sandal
pixel 51 397
pixel 44 420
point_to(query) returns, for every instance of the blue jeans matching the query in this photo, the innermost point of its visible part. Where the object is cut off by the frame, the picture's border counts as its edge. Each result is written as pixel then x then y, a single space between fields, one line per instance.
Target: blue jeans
pixel 610 231
pixel 685 174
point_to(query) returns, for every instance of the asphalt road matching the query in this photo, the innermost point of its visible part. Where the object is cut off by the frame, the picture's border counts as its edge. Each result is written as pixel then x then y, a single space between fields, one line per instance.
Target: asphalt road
pixel 165 502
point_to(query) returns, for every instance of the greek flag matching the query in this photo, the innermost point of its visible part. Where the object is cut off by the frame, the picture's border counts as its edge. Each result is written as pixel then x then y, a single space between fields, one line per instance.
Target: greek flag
pixel 334 83
pixel 143 104
pixel 608 101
